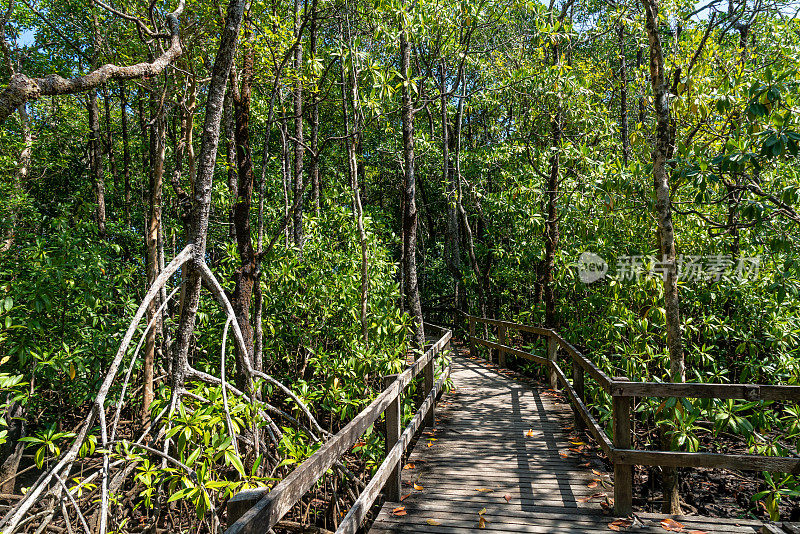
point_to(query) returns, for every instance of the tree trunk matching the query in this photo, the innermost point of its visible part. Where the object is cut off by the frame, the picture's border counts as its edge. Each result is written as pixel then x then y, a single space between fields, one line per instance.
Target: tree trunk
pixel 659 82
pixel 410 201
pixel 285 171
pixel 126 155
pixel 452 245
pixel 95 149
pixel 198 230
pixel 109 142
pixel 96 164
pixel 470 239
pixel 551 233
pixel 299 149
pixel 623 98
pixel 351 139
pixel 157 152
pixel 313 170
pixel 230 151
pixel 20 175
pixel 245 275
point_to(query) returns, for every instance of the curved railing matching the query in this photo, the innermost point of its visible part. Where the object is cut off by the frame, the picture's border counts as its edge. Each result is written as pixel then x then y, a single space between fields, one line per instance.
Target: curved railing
pixel 622 390
pixel 258 510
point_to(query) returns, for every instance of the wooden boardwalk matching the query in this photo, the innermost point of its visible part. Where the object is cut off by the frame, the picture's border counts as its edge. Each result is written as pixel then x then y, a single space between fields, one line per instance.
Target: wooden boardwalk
pixel 501 461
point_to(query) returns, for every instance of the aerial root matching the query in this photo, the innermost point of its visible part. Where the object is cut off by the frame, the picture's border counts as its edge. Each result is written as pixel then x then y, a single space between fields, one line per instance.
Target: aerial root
pixel 51 486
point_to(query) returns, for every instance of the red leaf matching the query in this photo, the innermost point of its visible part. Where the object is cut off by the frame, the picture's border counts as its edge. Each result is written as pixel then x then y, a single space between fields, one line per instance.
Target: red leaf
pixel 619 525
pixel 671 525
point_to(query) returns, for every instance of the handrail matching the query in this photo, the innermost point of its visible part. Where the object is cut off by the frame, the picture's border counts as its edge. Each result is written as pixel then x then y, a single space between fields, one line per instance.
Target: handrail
pixel 257 511
pixel 620 450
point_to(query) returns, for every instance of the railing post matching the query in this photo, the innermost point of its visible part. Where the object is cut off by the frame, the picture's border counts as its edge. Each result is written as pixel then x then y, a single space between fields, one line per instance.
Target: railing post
pixel 577 384
pixel 552 349
pixel 501 354
pixel 623 474
pixel 392 488
pixel 429 372
pixel 472 352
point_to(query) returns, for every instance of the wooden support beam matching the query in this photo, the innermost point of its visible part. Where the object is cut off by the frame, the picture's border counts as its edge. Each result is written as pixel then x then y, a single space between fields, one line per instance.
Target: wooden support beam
pixel 578 385
pixel 501 353
pixel 552 351
pixel 392 489
pixel 472 352
pixel 429 375
pixel 623 474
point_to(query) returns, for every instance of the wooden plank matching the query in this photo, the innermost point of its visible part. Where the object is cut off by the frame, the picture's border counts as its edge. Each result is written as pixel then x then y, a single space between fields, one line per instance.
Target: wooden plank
pixel 472 350
pixel 580 391
pixel 393 417
pixel 352 521
pixel 501 337
pixel 694 390
pixel 552 355
pixel 594 429
pixel 743 462
pixel 623 474
pixel 274 505
pixel 510 350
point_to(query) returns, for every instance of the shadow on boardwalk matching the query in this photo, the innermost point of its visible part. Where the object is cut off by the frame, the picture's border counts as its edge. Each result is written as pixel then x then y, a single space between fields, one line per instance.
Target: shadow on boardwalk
pixel 498 452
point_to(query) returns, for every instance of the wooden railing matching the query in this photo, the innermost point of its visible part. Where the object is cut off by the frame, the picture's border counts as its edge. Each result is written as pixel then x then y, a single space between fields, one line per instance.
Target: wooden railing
pixel 258 510
pixel 620 451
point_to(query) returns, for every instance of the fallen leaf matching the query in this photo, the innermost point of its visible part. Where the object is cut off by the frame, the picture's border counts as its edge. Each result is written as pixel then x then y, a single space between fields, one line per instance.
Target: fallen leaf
pixel 507 497
pixel 418 487
pixel 432 522
pixel 484 490
pixel 591 484
pixel 619 525
pixel 698 532
pixel 482 522
pixel 430 444
pixel 529 433
pixel 400 510
pixel 404 497
pixel 592 496
pixel 483 511
pixel 671 525
pixel 577 443
pixel 563 454
pixel 408 466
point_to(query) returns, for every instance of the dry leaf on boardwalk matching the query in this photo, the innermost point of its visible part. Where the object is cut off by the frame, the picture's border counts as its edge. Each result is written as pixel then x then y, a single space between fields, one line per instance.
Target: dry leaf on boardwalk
pixel 432 522
pixel 529 433
pixel 409 466
pixel 399 511
pixel 671 525
pixel 482 522
pixel 592 496
pixel 592 484
pixel 563 454
pixel 619 525
pixel 418 487
pixel 404 497
pixel 698 532
pixel 507 497
pixel 484 490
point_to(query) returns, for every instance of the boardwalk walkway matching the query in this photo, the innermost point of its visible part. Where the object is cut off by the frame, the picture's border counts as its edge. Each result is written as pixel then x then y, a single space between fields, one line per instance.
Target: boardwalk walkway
pixel 501 453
